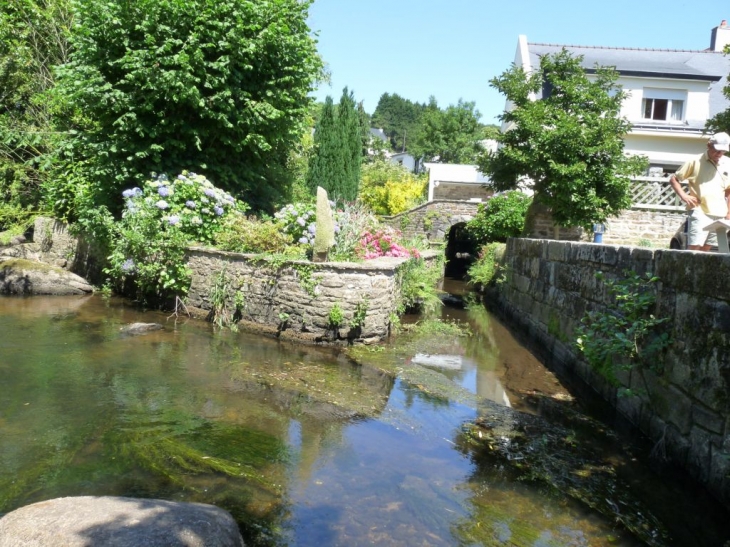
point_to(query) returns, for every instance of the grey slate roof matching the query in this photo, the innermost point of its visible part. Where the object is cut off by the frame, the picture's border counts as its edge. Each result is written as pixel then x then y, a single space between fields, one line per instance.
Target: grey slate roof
pixel 710 66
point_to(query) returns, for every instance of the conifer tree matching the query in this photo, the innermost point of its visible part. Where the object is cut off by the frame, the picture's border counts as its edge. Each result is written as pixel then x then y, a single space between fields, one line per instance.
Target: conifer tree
pixel 337 156
pixel 323 162
pixel 348 125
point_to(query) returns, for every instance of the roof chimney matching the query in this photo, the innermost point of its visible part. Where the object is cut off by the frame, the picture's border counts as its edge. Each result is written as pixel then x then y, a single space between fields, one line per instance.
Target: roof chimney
pixel 720 37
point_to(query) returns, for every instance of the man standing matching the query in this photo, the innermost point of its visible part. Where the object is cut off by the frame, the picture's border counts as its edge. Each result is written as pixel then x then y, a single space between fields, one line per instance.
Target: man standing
pixel 708 179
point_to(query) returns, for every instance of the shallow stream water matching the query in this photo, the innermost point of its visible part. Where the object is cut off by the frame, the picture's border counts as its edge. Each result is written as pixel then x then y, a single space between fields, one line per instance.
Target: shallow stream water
pixel 304 446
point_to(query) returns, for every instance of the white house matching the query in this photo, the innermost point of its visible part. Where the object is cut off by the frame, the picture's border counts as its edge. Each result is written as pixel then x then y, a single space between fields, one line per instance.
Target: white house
pixel 671 93
pixel 456 181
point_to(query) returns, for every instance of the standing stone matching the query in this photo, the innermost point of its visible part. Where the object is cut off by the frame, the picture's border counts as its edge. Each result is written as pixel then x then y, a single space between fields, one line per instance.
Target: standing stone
pixel 324 236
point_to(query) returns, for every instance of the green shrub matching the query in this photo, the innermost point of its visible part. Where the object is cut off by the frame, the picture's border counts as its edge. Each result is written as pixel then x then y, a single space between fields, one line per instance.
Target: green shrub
pixel 336 317
pixel 484 270
pixel 501 217
pixel 250 235
pixel 418 281
pixel 626 335
pixel 158 222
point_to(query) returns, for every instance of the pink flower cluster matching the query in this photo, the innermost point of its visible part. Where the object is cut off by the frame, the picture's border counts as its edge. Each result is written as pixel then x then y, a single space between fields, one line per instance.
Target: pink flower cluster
pixel 382 243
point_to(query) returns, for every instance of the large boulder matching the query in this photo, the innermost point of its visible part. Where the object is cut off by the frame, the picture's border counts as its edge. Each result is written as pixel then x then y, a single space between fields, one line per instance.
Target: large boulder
pixel 27 277
pixel 88 521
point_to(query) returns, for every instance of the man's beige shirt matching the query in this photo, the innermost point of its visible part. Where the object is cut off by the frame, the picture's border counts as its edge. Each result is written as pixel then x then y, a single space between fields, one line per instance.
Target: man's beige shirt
pixel 707 182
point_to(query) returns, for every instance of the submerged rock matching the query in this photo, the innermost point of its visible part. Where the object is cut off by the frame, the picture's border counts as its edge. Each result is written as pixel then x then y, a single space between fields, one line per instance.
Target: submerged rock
pixel 140 328
pixel 25 277
pixel 118 522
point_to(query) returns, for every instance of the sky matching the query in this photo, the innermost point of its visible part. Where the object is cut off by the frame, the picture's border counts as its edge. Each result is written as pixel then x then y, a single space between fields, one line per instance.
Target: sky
pixel 452 48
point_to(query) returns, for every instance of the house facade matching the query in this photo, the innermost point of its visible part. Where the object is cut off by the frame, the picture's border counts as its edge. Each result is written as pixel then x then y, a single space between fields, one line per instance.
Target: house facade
pixel 671 93
pixel 450 181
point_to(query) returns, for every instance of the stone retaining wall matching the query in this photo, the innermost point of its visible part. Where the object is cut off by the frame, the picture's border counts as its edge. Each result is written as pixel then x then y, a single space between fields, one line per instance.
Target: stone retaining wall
pixel 551 284
pixel 294 299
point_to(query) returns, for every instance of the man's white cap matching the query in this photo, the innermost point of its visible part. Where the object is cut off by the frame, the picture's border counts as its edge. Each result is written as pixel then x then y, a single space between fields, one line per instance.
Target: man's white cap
pixel 720 141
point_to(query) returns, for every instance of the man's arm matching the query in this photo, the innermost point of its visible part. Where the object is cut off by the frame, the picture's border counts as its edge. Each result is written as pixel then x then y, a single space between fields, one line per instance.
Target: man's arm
pixel 684 196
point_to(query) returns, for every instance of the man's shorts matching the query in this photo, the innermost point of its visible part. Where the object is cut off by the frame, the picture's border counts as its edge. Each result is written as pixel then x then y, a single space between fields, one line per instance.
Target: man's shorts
pixel 696 233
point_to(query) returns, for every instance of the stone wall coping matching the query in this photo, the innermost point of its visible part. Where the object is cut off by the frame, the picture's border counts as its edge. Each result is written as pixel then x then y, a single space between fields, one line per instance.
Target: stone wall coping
pixel 380 264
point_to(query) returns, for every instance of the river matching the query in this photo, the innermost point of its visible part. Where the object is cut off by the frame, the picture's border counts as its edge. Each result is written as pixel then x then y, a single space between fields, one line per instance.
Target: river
pixel 306 446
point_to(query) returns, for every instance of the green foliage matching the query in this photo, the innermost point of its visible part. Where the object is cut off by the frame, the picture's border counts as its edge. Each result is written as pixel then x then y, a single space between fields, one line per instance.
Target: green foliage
pixel 487 265
pixel 219 312
pixel 451 135
pixel 148 243
pixel 418 281
pixel 358 316
pixel 249 235
pixel 33 39
pixel 568 145
pixel 388 189
pixel 150 253
pixel 335 318
pixel 626 335
pixel 501 217
pixel 337 155
pixel 189 201
pixel 216 87
pixel 353 220
pixel 399 118
pixel 307 280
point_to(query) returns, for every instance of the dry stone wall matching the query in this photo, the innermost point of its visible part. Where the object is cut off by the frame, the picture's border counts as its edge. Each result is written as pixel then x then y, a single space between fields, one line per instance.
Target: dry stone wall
pixel 294 299
pixel 551 284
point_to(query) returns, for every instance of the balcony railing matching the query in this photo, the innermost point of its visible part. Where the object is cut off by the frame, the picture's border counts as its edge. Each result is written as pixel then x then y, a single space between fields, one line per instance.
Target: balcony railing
pixel 654 193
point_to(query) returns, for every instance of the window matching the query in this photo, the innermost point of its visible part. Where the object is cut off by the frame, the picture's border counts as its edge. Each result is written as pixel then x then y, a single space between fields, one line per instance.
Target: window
pixel 663 105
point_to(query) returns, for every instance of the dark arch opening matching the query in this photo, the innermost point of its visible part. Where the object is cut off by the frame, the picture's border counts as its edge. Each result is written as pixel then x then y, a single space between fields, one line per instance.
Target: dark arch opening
pixel 461 251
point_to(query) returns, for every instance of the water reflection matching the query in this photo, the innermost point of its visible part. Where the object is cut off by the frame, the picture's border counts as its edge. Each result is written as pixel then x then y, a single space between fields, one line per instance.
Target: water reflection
pixel 302 445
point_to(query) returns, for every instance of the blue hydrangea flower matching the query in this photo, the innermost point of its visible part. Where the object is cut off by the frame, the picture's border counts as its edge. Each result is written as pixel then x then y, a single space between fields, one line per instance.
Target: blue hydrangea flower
pixel 127 193
pixel 208 192
pixel 301 221
pixel 128 266
pixel 312 228
pixel 303 240
pixel 190 204
pixel 164 191
pixel 136 192
pixel 162 204
pixel 218 210
pixel 172 220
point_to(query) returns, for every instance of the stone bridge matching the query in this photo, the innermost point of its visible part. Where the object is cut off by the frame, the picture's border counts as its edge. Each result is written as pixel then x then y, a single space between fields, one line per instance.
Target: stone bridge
pixel 433 219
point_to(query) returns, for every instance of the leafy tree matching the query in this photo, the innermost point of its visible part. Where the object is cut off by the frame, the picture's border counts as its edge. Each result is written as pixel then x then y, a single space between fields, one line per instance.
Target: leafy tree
pixel 721 120
pixel 502 216
pixel 399 119
pixel 213 86
pixel 568 145
pixel 388 189
pixel 451 135
pixel 33 39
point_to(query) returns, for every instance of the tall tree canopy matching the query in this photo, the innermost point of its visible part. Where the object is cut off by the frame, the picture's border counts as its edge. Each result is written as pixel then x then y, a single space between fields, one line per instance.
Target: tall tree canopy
pixel 214 86
pixel 451 135
pixel 568 145
pixel 399 118
pixel 337 156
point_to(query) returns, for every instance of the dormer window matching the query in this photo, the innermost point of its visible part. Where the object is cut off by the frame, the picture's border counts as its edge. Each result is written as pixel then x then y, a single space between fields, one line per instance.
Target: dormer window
pixel 664 105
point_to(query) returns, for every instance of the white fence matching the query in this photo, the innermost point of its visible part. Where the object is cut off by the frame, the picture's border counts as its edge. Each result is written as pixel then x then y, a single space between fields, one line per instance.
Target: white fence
pixel 654 193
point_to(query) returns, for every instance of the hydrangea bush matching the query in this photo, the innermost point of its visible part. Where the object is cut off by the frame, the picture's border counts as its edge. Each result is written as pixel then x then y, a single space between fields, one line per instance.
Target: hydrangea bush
pixel 189 201
pixel 158 222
